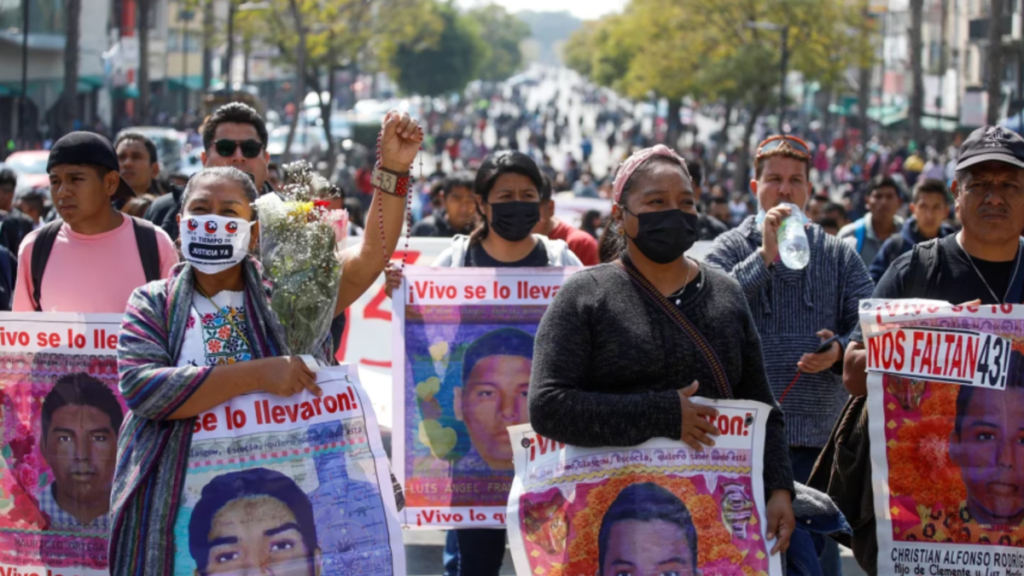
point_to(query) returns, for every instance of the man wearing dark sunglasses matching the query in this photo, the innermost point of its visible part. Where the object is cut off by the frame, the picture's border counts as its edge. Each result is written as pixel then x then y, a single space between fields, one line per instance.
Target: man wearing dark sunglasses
pixel 795 310
pixel 236 136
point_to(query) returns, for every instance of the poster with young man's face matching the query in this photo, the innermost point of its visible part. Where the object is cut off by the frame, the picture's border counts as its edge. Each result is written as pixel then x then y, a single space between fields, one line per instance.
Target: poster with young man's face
pixel 463 345
pixel 653 509
pixel 946 413
pixel 60 411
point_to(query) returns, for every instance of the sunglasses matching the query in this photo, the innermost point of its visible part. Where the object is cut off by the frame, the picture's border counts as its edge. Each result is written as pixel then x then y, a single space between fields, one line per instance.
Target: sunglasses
pixel 250 148
pixel 776 142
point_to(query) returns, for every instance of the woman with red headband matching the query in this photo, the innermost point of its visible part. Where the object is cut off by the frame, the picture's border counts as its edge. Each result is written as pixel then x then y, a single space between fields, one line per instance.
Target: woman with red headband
pixel 625 345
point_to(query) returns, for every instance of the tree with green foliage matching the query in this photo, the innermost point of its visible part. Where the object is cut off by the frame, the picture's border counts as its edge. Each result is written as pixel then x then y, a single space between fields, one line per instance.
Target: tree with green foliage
pixel 503 33
pixel 442 67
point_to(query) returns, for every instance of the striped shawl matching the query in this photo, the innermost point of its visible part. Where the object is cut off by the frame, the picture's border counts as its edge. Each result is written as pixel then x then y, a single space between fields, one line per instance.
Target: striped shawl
pixel 152 451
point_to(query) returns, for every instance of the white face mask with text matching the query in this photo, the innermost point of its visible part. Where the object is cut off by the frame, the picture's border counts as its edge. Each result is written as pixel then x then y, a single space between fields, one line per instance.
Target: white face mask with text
pixel 214 243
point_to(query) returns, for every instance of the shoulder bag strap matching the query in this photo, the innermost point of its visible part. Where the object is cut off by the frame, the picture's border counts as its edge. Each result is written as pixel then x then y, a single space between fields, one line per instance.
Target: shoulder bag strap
pixel 41 249
pixel 658 299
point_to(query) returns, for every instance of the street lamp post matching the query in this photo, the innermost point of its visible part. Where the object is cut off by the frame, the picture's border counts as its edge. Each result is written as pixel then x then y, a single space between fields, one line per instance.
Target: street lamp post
pixel 784 30
pixel 23 101
pixel 185 16
pixel 232 10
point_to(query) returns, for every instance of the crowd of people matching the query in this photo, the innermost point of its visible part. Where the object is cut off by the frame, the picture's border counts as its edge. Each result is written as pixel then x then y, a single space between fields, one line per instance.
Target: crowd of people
pixel 626 343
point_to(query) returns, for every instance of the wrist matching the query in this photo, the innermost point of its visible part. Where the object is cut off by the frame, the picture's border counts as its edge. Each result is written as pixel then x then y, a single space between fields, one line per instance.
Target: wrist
pixel 767 256
pixel 394 167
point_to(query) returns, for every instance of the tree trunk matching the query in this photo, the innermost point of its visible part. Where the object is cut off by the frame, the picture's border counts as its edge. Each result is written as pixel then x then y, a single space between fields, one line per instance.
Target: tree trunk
pixel 208 29
pixel 675 126
pixel 866 74
pixel 69 107
pixel 325 113
pixel 300 77
pixel 741 178
pixel 143 75
pixel 723 144
pixel 917 70
pixel 994 79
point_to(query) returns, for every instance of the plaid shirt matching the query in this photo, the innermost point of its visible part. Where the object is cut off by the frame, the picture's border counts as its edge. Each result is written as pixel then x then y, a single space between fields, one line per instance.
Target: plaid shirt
pixel 61 521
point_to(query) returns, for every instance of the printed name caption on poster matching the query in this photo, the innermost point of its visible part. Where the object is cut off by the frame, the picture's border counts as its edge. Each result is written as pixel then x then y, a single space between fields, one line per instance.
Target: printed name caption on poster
pixel 262 413
pixel 449 516
pixel 20 339
pixel 430 292
pixel 954 356
pixel 950 562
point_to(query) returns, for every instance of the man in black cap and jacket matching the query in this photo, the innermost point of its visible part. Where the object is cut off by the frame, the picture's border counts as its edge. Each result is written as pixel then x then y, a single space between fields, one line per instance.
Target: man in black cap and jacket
pixel 981 262
pixel 95 256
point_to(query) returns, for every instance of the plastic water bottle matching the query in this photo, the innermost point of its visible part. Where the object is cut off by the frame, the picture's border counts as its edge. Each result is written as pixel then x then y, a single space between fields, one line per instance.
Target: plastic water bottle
pixel 793 246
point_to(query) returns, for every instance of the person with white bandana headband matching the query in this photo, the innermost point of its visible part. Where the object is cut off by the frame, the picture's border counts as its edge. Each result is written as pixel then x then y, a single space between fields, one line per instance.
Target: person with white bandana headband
pixel 207 335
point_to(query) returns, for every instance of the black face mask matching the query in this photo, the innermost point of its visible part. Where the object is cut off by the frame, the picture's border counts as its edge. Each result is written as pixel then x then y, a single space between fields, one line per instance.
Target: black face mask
pixel 513 221
pixel 664 236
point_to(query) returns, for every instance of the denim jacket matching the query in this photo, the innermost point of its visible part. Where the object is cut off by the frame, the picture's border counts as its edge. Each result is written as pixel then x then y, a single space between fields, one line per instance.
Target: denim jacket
pixel 816 514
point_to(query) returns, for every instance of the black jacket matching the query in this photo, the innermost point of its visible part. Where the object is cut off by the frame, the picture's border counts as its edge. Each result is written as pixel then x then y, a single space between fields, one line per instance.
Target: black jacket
pixel 13 229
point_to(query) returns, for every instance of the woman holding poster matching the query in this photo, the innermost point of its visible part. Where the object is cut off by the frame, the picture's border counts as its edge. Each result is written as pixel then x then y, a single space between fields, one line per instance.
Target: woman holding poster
pixel 207 335
pixel 496 369
pixel 621 341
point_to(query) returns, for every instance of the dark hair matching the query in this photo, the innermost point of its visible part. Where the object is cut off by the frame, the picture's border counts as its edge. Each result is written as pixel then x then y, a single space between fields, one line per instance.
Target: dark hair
pixel 719 200
pixel 931 186
pixel 275 167
pixel 493 167
pixel 835 207
pixel 828 223
pixel 8 176
pixel 611 244
pixel 1014 381
pixel 138 206
pixel 546 190
pixel 36 199
pixel 131 136
pixel 647 502
pixel 696 171
pixel 221 172
pixel 500 342
pixel 81 389
pixel 821 198
pixel 251 483
pixel 456 180
pixel 883 182
pixel 234 113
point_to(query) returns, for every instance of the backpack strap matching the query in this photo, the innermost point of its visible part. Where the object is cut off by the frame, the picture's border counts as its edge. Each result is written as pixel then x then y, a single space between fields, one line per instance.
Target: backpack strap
pixel 149 253
pixel 40 255
pixel 923 271
pixel 860 232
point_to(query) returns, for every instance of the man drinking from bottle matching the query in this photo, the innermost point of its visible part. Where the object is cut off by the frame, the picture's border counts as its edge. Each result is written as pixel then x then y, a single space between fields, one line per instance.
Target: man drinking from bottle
pixel 795 310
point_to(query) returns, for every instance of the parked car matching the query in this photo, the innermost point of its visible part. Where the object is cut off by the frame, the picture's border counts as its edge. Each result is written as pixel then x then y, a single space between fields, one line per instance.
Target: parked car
pixel 30 166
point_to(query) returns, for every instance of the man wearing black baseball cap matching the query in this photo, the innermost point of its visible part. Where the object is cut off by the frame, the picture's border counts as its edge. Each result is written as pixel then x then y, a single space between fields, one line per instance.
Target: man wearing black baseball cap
pixel 981 262
pixel 94 257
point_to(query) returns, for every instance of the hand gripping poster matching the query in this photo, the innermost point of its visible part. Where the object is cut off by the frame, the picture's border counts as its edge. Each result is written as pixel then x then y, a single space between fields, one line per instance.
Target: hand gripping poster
pixel 463 349
pixel 60 412
pixel 657 508
pixel 946 422
pixel 299 486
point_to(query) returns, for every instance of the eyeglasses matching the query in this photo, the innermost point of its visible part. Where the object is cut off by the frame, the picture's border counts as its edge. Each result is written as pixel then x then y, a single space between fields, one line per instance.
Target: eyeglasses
pixel 250 148
pixel 776 142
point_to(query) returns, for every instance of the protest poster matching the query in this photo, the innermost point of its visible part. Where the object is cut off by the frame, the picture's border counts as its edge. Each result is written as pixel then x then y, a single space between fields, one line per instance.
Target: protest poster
pixel 464 347
pixel 366 340
pixel 946 423
pixel 60 413
pixel 298 484
pixel 660 507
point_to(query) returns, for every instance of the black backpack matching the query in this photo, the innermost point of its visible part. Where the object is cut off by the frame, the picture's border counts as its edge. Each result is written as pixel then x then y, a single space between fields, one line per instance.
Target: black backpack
pixel 145 240
pixel 923 271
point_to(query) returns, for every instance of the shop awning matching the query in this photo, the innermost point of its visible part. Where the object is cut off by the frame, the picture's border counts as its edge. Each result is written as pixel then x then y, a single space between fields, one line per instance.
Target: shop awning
pixel 190 83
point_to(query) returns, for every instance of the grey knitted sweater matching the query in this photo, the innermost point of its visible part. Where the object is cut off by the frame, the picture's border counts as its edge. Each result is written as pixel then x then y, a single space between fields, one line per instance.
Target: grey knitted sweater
pixel 789 308
pixel 607 364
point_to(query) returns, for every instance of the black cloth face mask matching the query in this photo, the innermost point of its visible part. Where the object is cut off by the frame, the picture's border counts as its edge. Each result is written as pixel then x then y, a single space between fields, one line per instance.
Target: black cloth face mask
pixel 514 221
pixel 664 236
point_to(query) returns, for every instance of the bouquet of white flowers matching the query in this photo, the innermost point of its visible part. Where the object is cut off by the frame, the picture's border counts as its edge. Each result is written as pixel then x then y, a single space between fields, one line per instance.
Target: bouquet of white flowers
pixel 300 249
